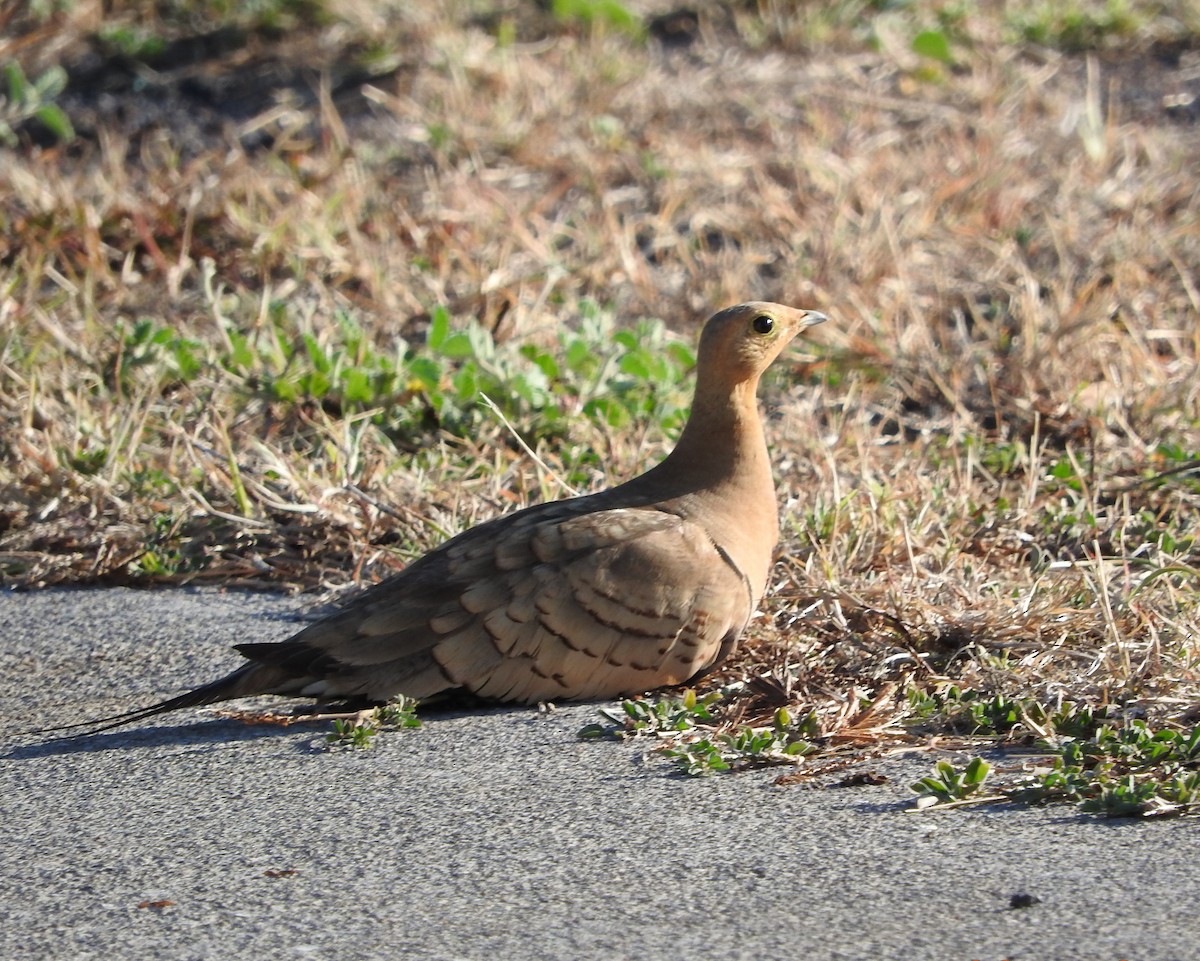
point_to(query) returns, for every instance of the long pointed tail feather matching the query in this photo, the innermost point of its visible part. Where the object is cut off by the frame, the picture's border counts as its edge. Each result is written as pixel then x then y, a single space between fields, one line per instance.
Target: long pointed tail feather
pixel 247 681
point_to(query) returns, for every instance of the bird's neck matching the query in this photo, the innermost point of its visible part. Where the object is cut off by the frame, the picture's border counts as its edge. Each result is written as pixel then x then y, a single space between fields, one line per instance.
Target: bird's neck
pixel 722 443
pixel 719 474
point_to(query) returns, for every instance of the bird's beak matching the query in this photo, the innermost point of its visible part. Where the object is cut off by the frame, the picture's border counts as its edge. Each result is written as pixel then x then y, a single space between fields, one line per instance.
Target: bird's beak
pixel 814 317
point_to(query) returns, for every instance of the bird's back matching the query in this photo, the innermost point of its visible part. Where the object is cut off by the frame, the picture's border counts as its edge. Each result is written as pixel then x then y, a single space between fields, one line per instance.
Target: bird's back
pixel 593 596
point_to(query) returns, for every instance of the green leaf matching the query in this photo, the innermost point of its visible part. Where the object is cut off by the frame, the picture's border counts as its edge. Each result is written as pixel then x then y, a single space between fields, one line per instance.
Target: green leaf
pixel 17 85
pixel 240 356
pixel 314 384
pixel 543 360
pixel 186 361
pixel 285 389
pixel 608 411
pixel 457 346
pixel 54 120
pixel 427 372
pixel 581 360
pixel 51 83
pixel 466 382
pixel 977 771
pixel 439 329
pixel 483 346
pixel 627 339
pixel 357 386
pixel 635 365
pixel 530 389
pixel 934 45
pixel 611 12
pixel 682 355
pixel 317 355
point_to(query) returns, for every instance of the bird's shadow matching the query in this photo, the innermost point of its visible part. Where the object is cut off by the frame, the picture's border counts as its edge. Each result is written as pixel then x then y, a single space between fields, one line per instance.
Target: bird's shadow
pixel 210 731
pixel 213 731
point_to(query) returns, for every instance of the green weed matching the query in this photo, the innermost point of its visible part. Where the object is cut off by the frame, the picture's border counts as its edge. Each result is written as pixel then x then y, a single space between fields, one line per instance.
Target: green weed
pixel 949 784
pixel 1077 25
pixel 785 742
pixel 360 732
pixel 352 734
pixel 1126 771
pixel 26 100
pixel 963 712
pixel 610 13
pixel 695 741
pixel 667 716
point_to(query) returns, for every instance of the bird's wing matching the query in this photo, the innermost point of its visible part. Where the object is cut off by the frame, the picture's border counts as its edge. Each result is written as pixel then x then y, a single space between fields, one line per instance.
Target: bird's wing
pixel 554 604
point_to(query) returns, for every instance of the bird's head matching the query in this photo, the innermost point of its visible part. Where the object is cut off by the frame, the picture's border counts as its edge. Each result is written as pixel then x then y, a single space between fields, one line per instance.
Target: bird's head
pixel 739 343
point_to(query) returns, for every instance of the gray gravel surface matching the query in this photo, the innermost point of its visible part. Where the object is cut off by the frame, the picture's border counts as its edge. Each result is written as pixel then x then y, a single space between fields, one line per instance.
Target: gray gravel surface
pixel 497 834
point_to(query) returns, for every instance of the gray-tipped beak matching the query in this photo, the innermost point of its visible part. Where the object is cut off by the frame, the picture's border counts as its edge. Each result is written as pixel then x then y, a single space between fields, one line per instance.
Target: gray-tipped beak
pixel 814 317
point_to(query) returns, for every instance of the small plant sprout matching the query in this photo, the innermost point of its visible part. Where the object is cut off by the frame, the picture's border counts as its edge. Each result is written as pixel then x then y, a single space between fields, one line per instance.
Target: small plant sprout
pixel 953 785
pixel 698 741
pixel 665 717
pixel 23 100
pixel 746 748
pixel 358 732
pixel 400 712
pixel 1127 771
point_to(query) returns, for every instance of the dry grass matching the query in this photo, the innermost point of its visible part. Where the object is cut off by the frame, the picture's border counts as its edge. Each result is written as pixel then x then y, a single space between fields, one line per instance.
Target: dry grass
pixel 989 464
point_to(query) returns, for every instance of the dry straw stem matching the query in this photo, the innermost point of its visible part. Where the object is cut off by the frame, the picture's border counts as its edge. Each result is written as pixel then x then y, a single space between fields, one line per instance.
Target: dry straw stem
pixel 987 463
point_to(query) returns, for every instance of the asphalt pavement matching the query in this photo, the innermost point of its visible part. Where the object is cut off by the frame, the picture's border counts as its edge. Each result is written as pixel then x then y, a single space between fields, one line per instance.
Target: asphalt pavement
pixel 496 834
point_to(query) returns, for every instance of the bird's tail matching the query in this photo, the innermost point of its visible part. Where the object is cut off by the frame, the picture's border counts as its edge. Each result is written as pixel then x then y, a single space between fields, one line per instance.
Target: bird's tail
pixel 246 681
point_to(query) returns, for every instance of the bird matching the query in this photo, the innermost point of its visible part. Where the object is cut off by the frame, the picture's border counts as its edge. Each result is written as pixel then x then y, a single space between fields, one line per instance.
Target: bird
pixel 647 584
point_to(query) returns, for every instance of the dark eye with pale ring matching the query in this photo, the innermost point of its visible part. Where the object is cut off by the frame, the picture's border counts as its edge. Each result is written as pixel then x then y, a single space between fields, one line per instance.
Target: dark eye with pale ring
pixel 763 324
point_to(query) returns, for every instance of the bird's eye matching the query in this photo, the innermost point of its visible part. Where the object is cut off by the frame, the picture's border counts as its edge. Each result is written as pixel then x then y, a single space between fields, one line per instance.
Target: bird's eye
pixel 763 324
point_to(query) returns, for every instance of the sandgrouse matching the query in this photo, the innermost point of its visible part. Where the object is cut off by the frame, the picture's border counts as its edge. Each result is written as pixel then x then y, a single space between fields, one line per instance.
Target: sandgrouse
pixel 639 586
